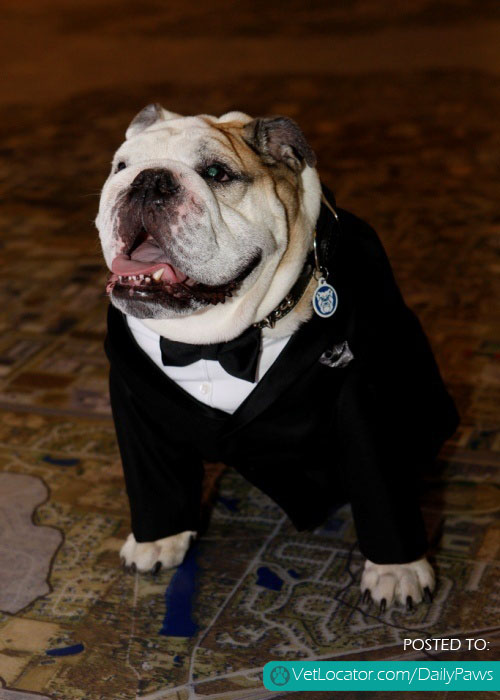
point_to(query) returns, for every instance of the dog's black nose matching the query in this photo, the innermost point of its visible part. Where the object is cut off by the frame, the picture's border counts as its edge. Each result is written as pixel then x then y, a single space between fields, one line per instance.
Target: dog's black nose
pixel 156 184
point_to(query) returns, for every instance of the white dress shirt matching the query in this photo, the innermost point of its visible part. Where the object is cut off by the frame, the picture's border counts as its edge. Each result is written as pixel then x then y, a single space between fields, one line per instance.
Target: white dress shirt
pixel 206 380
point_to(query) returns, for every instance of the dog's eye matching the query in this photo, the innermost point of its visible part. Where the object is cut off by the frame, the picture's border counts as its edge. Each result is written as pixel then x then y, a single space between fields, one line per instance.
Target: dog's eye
pixel 120 166
pixel 216 172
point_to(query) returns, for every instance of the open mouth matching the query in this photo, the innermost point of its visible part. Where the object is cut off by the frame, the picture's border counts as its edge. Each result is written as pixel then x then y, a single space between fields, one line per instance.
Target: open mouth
pixel 144 274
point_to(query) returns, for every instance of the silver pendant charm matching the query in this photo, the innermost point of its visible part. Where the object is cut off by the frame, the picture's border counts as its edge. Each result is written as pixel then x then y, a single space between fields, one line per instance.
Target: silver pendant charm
pixel 325 299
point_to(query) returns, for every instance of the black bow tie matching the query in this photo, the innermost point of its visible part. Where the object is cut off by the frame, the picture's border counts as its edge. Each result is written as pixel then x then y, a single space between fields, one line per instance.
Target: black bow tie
pixel 238 357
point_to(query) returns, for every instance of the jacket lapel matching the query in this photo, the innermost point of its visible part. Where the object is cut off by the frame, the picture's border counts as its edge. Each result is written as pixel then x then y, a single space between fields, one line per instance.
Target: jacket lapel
pixel 306 346
pixel 302 350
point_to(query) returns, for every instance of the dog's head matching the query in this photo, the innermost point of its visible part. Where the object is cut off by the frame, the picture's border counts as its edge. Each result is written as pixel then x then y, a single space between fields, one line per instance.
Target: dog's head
pixel 205 223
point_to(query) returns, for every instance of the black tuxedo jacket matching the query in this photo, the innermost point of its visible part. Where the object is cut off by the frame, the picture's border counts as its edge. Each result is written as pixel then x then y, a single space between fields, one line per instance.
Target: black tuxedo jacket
pixel 310 435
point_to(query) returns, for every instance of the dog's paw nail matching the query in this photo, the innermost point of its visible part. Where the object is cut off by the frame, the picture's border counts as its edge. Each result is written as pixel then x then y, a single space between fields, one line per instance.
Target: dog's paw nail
pixel 428 595
pixel 366 596
pixel 409 603
pixel 383 605
pixel 156 568
pixel 133 568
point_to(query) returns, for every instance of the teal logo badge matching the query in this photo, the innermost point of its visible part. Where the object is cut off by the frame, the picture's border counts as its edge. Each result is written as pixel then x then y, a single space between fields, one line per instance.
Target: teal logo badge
pixel 280 675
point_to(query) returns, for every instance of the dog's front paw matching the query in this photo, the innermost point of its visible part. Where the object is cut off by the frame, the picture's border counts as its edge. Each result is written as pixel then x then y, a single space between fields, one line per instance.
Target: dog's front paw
pixel 152 556
pixel 408 584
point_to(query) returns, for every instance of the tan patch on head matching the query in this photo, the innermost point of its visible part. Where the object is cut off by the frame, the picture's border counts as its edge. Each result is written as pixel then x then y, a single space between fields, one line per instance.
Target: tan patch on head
pixel 285 183
pixel 280 181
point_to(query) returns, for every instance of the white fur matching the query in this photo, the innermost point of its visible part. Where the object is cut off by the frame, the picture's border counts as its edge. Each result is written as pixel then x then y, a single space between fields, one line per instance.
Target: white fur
pixel 395 582
pixel 170 551
pixel 228 230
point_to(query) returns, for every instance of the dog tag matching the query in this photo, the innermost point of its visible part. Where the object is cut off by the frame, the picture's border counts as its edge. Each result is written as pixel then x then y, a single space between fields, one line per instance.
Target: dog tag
pixel 325 299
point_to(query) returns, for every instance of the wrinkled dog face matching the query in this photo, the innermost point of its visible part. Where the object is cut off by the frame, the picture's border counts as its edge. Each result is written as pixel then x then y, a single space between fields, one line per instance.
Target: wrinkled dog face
pixel 199 211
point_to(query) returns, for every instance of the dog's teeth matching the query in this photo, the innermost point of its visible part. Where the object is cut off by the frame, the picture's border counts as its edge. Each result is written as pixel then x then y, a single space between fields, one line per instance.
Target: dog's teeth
pixel 147 279
pixel 157 275
pixel 141 277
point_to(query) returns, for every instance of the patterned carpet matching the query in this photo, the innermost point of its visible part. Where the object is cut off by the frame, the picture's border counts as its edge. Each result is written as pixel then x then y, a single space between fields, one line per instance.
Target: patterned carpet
pixel 415 153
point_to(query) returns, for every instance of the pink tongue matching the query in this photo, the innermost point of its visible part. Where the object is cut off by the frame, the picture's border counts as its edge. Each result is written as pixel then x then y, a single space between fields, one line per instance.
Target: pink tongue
pixel 146 259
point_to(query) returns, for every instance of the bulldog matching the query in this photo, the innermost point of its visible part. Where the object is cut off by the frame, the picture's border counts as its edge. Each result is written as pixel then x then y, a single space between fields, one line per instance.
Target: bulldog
pixel 208 227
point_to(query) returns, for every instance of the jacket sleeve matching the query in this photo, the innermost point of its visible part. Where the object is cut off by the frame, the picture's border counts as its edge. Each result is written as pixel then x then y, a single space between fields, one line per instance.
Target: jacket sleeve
pixel 163 474
pixel 163 479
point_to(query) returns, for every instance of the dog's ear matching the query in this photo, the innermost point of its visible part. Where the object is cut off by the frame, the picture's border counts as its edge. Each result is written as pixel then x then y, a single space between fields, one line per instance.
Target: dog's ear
pixel 147 117
pixel 279 139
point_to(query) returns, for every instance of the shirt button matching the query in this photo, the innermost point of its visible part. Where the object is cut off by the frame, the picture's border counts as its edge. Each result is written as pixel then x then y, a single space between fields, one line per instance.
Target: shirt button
pixel 205 388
